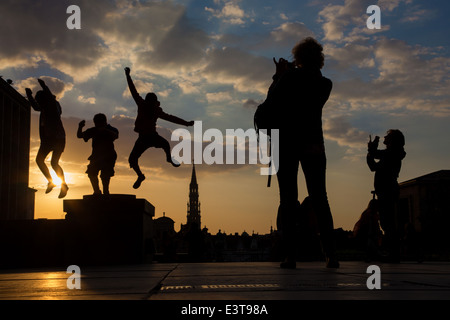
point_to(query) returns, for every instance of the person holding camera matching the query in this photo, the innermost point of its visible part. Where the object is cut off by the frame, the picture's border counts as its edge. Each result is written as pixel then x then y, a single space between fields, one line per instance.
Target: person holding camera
pixel 297 96
pixel 387 169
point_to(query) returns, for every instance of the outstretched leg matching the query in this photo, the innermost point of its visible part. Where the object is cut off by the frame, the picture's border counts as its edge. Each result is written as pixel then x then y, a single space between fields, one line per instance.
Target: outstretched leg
pixel 164 144
pixel 139 147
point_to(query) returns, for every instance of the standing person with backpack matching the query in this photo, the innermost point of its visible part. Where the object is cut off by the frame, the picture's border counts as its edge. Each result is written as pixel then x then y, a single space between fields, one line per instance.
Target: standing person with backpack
pixel 294 103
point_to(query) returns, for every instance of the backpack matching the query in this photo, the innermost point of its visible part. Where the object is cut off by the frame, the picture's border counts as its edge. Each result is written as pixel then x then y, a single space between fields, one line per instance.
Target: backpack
pixel 267 115
pixel 263 119
pixel 260 119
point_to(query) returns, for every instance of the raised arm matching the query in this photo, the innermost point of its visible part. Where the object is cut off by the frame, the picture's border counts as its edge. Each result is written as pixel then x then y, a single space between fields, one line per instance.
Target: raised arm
pixel 33 102
pixel 80 129
pixel 44 87
pixel 174 119
pixel 131 85
pixel 372 153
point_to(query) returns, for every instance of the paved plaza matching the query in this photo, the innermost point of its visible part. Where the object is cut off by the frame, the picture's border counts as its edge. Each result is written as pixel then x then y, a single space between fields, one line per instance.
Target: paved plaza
pixel 231 281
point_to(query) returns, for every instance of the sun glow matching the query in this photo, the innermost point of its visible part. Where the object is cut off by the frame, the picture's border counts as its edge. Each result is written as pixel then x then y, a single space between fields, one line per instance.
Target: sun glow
pixel 57 180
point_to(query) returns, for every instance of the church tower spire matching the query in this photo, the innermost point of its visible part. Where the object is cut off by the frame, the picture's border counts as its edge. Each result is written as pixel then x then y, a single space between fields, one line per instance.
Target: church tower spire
pixel 193 207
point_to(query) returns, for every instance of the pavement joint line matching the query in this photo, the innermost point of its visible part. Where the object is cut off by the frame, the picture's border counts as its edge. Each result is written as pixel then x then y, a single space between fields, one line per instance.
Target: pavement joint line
pixel 159 285
pixel 221 286
pixel 312 284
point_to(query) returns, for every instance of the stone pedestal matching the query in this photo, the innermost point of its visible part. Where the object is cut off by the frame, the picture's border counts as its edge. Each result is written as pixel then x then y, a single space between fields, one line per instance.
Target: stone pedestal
pixel 114 229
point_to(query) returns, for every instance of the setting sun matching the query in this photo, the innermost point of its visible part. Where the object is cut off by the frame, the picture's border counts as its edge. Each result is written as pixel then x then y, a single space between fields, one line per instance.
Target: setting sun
pixel 67 175
pixel 57 180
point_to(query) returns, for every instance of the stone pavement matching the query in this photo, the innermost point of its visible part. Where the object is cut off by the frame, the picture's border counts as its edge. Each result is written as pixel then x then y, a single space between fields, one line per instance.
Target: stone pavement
pixel 261 281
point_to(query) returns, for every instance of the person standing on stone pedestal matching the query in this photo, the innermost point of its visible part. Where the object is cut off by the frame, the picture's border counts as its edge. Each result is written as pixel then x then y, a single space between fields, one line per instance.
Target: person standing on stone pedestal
pixel 103 157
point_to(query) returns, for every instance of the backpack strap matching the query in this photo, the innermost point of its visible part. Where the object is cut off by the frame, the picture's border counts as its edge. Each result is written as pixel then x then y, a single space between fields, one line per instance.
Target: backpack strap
pixel 269 177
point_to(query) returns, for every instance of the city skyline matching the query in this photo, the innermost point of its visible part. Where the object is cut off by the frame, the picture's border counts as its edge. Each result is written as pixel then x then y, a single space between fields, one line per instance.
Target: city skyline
pixel 212 62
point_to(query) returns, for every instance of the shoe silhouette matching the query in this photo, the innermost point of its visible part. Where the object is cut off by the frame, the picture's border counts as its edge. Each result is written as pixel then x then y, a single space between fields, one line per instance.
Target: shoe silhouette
pixel 332 263
pixel 63 192
pixel 138 182
pixel 174 162
pixel 50 187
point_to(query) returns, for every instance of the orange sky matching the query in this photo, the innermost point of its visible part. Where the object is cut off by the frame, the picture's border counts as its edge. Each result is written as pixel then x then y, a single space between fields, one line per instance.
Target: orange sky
pixel 232 200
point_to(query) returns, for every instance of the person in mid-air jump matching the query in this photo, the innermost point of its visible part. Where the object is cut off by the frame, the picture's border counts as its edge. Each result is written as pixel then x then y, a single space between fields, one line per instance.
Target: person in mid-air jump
pixel 52 134
pixel 148 112
pixel 103 157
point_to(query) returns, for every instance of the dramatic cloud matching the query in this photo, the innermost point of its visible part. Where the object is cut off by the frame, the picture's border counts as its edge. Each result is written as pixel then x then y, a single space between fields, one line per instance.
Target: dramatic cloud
pixel 245 71
pixel 183 48
pixel 56 86
pixel 350 55
pixel 339 129
pixel 290 33
pixel 379 73
pixel 159 36
pixel 341 21
pixel 230 12
pixel 336 18
pixel 399 76
pixel 142 87
pixel 36 32
pixel 83 99
pixel 252 104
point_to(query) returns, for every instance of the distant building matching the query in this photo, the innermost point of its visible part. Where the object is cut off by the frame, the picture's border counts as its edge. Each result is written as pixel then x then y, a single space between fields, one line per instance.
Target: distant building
pixel 164 225
pixel 424 205
pixel 165 238
pixel 16 198
pixel 193 206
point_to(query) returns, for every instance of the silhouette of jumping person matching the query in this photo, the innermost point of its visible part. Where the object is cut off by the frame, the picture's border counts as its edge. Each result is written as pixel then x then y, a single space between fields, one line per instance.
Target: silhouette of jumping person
pixel 387 169
pixel 51 133
pixel 103 157
pixel 148 112
pixel 298 95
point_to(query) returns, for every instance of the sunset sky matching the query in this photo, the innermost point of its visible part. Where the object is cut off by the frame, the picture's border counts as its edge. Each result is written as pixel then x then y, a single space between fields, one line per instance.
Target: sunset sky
pixel 211 61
